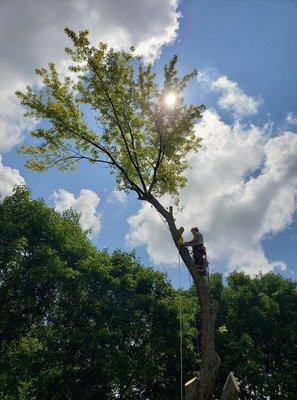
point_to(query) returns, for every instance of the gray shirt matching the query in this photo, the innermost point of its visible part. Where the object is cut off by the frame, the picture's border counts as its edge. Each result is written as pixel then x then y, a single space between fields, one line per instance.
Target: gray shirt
pixel 197 239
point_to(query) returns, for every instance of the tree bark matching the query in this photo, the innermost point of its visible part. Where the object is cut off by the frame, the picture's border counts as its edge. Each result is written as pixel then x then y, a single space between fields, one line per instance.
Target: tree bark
pixel 210 361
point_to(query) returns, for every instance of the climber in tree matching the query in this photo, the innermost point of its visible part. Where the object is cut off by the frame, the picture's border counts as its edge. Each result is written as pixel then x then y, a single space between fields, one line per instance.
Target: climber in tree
pixel 198 248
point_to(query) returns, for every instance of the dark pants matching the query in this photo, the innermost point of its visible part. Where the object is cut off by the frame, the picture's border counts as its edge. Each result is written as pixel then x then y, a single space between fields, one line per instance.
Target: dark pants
pixel 197 255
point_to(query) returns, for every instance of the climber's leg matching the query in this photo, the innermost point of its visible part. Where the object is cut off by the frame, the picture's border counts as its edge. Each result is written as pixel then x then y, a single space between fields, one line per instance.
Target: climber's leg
pixel 197 256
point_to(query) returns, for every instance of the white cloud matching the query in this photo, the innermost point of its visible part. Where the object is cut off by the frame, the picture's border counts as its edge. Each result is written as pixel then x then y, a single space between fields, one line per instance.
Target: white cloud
pixel 12 122
pixel 118 197
pixel 147 228
pixel 242 187
pixel 86 204
pixel 233 97
pixel 31 35
pixel 291 118
pixel 9 177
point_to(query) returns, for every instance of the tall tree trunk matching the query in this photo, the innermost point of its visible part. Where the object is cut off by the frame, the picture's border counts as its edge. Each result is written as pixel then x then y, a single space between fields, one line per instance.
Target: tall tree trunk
pixel 210 361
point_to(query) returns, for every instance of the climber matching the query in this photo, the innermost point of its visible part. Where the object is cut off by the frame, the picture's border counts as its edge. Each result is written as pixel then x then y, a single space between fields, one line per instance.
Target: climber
pixel 181 241
pixel 199 251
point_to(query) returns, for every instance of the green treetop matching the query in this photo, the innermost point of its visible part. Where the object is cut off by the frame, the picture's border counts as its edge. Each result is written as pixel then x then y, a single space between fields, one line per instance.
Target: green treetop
pixel 142 139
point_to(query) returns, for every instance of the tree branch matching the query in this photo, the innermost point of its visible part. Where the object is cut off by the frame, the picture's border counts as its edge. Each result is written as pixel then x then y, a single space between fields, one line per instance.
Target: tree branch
pixel 133 185
pixel 159 157
pixel 117 121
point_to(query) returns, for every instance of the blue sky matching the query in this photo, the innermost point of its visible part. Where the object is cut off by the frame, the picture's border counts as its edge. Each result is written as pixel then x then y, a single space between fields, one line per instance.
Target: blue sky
pixel 246 54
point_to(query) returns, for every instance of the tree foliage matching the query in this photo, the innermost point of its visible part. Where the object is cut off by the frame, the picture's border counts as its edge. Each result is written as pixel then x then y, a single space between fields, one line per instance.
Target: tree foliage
pixel 79 323
pixel 259 342
pixel 143 141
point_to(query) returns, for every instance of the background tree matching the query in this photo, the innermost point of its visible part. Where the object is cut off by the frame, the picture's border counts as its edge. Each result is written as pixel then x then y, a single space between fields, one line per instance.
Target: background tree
pixel 142 140
pixel 259 342
pixel 78 323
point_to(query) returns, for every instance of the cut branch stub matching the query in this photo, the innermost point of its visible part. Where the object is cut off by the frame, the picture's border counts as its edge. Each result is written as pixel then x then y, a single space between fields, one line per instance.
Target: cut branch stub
pixel 191 389
pixel 231 388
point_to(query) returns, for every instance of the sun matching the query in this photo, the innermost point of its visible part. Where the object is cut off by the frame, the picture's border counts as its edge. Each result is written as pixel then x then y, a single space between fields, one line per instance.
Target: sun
pixel 170 99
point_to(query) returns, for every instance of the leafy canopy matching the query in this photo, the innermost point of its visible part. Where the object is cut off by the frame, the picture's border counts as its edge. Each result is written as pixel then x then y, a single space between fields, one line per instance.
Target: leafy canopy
pixel 78 323
pixel 260 335
pixel 132 130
